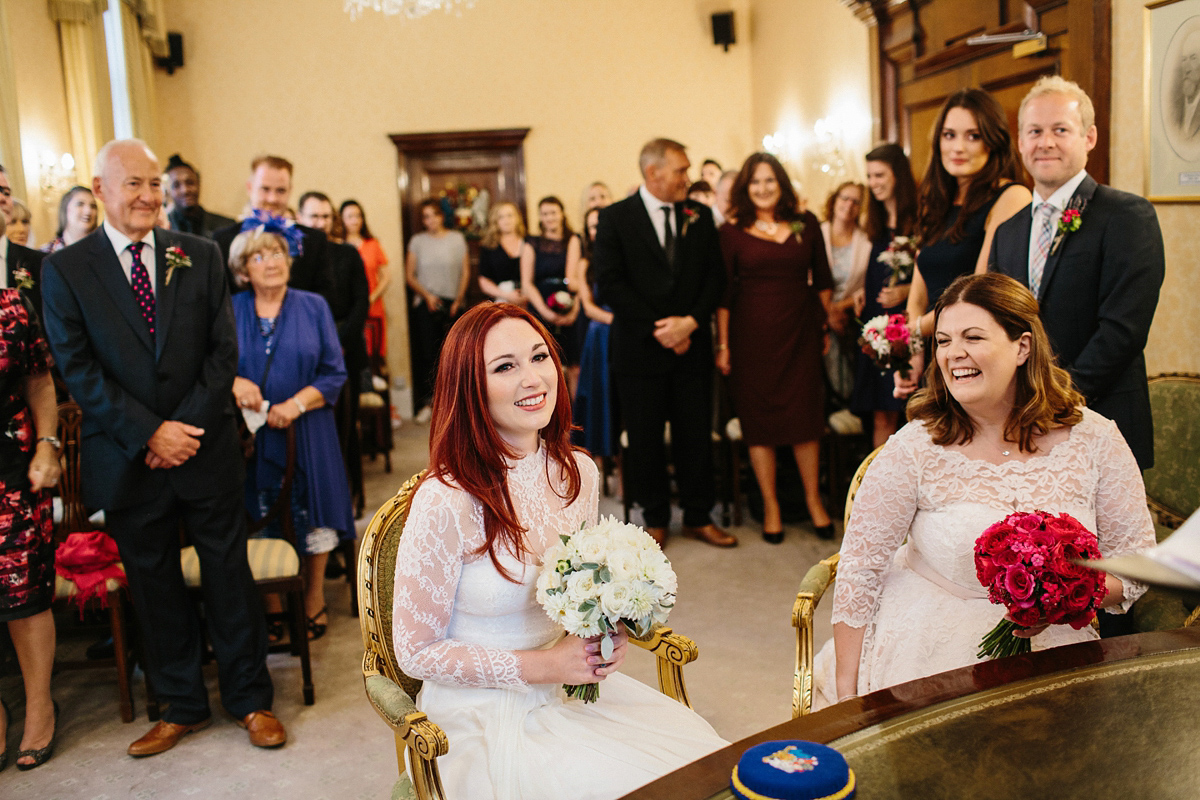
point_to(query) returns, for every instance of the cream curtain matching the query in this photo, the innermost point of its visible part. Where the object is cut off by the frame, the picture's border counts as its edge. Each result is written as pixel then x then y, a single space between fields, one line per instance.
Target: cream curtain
pixel 85 70
pixel 10 128
pixel 139 67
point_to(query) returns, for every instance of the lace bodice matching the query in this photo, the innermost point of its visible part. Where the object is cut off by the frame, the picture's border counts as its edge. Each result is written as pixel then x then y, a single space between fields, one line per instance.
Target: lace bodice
pixel 455 618
pixel 943 500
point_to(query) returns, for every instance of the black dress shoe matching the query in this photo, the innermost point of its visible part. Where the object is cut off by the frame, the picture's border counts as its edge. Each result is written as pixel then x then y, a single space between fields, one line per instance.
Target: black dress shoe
pixel 773 538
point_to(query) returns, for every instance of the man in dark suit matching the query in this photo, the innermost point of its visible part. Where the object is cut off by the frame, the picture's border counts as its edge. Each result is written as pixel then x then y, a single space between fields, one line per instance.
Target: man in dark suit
pixel 269 187
pixel 20 267
pixel 141 326
pixel 349 305
pixel 186 214
pixel 1092 255
pixel 659 268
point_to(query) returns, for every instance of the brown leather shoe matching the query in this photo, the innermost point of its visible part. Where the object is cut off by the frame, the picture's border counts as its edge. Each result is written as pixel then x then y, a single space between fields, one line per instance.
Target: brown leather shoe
pixel 711 534
pixel 659 535
pixel 265 730
pixel 163 736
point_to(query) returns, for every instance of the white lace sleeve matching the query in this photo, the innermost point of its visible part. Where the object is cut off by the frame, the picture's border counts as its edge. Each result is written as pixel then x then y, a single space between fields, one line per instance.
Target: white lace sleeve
pixel 883 511
pixel 444 524
pixel 1123 523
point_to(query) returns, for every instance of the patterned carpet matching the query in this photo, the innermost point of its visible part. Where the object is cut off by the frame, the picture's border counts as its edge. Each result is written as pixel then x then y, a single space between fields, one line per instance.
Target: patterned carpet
pixel 736 604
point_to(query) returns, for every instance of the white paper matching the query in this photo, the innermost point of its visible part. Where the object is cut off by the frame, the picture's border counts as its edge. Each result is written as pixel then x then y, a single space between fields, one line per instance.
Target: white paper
pixel 1175 562
pixel 255 419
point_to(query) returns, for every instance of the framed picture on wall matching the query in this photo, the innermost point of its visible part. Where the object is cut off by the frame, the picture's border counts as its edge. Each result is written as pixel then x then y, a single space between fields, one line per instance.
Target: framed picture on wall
pixel 1172 101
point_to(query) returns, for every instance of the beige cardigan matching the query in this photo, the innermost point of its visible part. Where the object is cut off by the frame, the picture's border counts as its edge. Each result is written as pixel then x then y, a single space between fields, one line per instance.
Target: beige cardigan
pixel 862 252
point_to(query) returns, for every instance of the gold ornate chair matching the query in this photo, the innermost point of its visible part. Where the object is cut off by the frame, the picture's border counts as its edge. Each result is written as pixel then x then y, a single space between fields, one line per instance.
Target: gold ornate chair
pixel 812 588
pixel 392 693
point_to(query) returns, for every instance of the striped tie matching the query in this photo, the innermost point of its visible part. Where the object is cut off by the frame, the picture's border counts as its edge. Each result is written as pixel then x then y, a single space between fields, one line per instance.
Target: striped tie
pixel 139 280
pixel 1044 236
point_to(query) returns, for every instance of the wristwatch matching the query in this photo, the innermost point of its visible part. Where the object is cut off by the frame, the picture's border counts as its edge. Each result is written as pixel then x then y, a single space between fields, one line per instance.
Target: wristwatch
pixel 54 440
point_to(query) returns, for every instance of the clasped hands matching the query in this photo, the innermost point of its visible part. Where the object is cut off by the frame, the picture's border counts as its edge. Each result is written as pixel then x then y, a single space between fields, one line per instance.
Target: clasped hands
pixel 675 333
pixel 248 395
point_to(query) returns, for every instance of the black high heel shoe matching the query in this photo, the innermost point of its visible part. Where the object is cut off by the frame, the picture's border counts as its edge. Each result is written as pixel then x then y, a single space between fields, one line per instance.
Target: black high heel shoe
pixel 41 755
pixel 824 531
pixel 773 538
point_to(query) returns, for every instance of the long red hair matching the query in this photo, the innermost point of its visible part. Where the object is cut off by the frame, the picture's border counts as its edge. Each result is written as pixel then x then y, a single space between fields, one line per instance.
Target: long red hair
pixel 464 445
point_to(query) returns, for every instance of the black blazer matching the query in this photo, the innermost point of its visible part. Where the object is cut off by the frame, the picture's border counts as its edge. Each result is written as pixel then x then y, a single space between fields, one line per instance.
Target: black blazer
pixel 19 257
pixel 310 269
pixel 201 222
pixel 350 302
pixel 639 285
pixel 126 386
pixel 1098 295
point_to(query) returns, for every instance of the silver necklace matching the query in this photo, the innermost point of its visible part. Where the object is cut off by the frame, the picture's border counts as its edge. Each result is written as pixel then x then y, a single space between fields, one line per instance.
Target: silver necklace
pixel 768 228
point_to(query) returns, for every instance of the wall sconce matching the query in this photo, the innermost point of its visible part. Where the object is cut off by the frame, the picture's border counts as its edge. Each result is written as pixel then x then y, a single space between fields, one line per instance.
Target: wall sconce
pixel 56 174
pixel 828 157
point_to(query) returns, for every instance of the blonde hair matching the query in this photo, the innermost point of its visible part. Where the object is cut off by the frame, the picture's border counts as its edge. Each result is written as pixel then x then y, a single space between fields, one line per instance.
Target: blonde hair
pixel 21 211
pixel 491 236
pixel 249 243
pixel 1056 84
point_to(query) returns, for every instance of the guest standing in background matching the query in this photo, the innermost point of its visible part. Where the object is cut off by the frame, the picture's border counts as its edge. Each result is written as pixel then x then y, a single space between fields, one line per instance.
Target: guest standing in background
pixel 500 252
pixel 77 217
pixel 969 188
pixel 891 212
pixel 593 406
pixel 702 192
pixel 771 331
pixel 546 265
pixel 721 190
pixel 358 234
pixel 437 268
pixel 710 172
pixel 20 266
pixel 597 195
pixel 289 355
pixel 186 214
pixel 21 224
pixel 847 249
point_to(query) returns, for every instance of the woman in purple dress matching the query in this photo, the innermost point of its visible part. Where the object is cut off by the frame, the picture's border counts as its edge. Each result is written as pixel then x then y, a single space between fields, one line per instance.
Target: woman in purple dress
pixel 290 365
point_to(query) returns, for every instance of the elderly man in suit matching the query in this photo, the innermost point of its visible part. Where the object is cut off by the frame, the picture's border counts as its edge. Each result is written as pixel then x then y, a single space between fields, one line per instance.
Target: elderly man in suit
pixel 20 267
pixel 659 267
pixel 141 325
pixel 186 214
pixel 1093 257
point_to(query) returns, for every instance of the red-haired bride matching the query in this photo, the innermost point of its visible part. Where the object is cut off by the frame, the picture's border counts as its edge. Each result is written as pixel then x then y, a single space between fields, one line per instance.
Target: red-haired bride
pixel 503 483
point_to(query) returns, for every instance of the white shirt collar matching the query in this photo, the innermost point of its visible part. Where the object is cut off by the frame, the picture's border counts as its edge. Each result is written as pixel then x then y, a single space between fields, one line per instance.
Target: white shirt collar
pixel 1062 195
pixel 121 242
pixel 653 204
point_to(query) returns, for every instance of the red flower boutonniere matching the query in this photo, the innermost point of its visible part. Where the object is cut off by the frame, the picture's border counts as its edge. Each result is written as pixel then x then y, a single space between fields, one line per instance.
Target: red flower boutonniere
pixel 1070 221
pixel 23 279
pixel 176 259
pixel 690 215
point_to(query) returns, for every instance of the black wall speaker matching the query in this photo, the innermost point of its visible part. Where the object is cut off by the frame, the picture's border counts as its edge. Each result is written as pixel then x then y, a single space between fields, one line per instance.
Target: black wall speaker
pixel 722 24
pixel 174 59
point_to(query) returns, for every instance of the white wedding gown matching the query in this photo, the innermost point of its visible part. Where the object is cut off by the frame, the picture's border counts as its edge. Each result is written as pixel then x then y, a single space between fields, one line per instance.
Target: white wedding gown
pixel 456 623
pixel 923 607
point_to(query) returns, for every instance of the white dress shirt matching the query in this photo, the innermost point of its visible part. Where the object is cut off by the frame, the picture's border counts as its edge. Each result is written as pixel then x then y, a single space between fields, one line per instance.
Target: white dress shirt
pixel 1062 195
pixel 654 208
pixel 121 242
pixel 4 262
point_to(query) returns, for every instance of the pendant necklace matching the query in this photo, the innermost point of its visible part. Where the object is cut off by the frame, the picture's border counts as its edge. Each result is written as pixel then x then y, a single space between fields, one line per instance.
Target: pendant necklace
pixel 768 228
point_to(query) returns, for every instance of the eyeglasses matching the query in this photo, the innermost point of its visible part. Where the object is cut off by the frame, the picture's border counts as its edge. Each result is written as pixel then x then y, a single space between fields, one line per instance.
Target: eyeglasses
pixel 258 259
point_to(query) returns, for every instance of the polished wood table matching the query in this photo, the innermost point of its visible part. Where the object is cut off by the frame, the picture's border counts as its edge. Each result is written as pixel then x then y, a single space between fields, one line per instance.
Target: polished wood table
pixel 1112 718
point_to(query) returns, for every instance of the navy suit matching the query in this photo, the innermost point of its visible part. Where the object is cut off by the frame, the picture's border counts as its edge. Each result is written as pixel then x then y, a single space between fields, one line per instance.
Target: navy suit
pixel 128 384
pixel 1098 295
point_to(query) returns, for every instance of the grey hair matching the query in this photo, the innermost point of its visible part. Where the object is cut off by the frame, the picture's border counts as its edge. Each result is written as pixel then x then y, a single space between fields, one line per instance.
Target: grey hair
pixel 247 244
pixel 655 152
pixel 103 153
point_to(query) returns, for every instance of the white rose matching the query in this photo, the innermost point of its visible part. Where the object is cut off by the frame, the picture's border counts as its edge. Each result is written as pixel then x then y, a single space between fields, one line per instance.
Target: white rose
pixel 581 586
pixel 624 564
pixel 592 546
pixel 548 579
pixel 614 600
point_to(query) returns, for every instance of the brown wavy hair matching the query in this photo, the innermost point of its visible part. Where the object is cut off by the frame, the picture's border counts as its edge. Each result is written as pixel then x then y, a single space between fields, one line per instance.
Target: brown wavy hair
pixel 1045 397
pixel 743 208
pixel 831 201
pixel 464 445
pixel 939 188
pixel 905 193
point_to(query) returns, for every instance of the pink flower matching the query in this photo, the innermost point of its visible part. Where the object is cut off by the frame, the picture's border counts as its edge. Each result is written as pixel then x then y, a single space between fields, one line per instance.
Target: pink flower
pixel 1020 584
pixel 896 333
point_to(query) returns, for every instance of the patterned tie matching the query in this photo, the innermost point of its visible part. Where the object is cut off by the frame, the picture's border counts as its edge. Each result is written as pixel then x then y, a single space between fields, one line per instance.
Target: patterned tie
pixel 1044 236
pixel 668 237
pixel 143 293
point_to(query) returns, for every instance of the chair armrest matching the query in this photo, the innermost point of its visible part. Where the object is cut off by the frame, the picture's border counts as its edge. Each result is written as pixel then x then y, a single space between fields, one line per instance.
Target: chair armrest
pixel 812 588
pixel 672 651
pixel 414 732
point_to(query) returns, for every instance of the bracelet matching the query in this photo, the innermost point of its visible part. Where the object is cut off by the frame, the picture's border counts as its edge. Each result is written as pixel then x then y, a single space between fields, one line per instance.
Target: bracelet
pixel 299 405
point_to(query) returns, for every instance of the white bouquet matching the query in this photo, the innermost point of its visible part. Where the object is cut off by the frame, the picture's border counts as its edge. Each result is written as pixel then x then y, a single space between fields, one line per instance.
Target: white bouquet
pixel 600 576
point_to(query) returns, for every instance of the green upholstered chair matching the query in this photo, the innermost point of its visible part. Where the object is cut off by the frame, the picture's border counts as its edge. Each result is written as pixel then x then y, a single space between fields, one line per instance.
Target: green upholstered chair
pixel 392 693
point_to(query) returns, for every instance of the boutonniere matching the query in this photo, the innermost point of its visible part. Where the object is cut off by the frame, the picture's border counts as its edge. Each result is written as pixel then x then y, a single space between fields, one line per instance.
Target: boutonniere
pixel 797 227
pixel 176 259
pixel 23 278
pixel 690 215
pixel 1070 221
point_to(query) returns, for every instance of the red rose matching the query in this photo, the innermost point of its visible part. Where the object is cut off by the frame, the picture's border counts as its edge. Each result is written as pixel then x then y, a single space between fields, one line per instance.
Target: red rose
pixel 1079 595
pixel 1025 522
pixel 1020 585
pixel 1025 617
pixel 986 570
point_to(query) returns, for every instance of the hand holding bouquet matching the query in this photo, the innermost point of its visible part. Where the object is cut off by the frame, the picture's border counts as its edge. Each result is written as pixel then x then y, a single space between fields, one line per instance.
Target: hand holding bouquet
pixel 901 257
pixel 888 342
pixel 1027 564
pixel 601 576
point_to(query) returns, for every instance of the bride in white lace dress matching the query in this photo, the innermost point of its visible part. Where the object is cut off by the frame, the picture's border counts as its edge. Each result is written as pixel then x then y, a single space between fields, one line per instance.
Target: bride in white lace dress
pixel 998 429
pixel 504 483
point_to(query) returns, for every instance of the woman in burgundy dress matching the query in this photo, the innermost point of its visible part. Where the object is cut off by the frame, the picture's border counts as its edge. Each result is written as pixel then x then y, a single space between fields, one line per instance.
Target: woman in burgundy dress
pixel 770 331
pixel 28 466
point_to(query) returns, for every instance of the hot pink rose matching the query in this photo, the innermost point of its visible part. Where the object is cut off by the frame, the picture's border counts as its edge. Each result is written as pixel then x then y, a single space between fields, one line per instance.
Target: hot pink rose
pixel 1026 522
pixel 1020 585
pixel 896 333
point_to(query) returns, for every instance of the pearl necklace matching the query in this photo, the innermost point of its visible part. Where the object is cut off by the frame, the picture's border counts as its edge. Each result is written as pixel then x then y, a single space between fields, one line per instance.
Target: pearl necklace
pixel 768 228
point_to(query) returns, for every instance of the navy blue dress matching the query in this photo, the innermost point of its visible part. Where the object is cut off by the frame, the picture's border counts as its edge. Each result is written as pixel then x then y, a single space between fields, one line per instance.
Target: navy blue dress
pixel 593 406
pixel 943 261
pixel 550 276
pixel 872 386
pixel 307 354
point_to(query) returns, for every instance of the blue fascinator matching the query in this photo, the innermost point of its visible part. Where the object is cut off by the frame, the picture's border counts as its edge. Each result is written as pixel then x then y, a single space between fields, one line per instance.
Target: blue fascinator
pixel 268 223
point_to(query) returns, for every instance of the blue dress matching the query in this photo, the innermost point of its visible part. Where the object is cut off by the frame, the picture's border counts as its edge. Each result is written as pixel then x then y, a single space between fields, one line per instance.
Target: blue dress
pixel 943 260
pixel 307 354
pixel 550 276
pixel 593 406
pixel 872 386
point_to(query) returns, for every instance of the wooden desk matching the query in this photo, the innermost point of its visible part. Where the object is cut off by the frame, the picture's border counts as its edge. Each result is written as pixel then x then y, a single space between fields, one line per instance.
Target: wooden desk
pixel 1112 718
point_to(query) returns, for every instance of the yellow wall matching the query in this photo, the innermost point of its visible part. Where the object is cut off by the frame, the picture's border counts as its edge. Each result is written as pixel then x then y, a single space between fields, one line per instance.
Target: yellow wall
pixel 593 80
pixel 41 103
pixel 1172 346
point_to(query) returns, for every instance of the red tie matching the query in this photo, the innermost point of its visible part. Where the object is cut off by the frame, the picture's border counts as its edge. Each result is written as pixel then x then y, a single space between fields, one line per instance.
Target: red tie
pixel 143 293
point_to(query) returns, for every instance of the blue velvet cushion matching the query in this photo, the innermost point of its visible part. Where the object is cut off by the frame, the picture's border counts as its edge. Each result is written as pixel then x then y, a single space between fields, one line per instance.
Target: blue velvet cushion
pixel 792 770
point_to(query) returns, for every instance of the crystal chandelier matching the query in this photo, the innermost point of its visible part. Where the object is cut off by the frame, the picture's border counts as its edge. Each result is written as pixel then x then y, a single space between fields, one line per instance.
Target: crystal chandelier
pixel 409 8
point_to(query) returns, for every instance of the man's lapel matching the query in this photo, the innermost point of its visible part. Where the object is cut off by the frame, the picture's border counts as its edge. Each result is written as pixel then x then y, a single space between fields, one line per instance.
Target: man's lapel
pixel 1082 194
pixel 107 267
pixel 165 295
pixel 1017 259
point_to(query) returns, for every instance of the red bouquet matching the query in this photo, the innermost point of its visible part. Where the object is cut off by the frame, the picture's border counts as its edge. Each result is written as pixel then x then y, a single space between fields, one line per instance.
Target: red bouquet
pixel 888 342
pixel 1027 564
